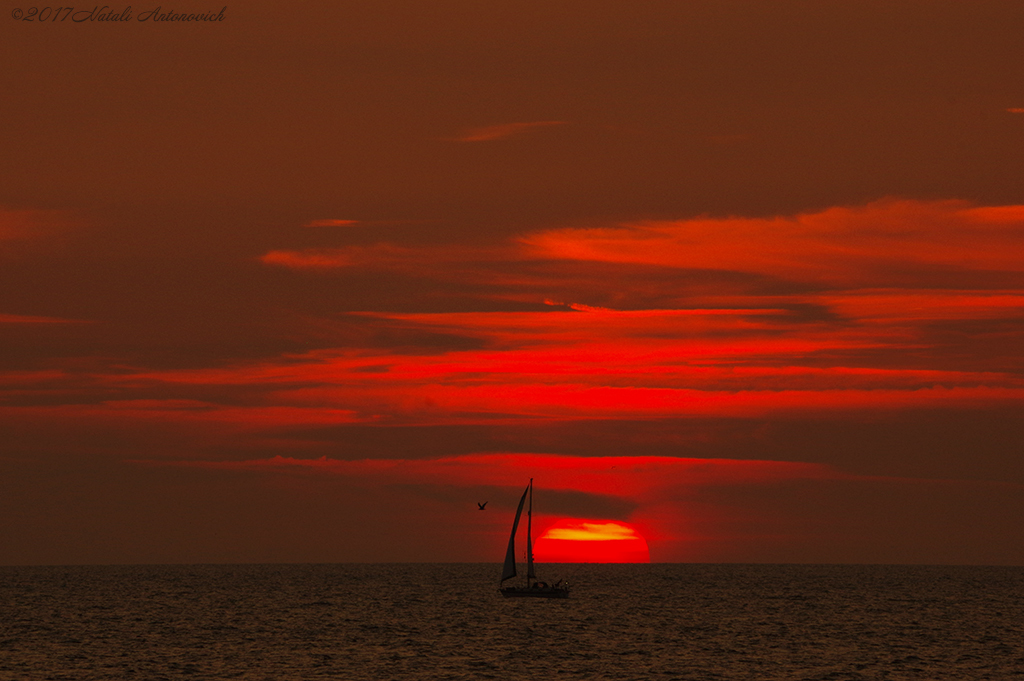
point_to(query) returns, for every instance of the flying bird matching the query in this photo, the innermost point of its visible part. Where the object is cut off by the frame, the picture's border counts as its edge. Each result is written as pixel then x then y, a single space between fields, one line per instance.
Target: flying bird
pixel 481 505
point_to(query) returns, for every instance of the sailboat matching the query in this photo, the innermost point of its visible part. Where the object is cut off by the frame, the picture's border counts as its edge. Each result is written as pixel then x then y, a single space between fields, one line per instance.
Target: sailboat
pixel 533 588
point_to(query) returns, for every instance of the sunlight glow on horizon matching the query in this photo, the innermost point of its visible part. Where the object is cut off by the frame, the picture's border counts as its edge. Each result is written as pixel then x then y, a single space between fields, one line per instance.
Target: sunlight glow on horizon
pixel 585 531
pixel 592 541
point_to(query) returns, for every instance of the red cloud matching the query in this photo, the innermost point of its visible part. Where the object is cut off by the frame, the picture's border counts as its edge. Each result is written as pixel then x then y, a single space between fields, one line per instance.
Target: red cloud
pixel 179 413
pixel 628 477
pixel 496 132
pixel 687 509
pixel 310 259
pixel 331 223
pixel 653 484
pixel 25 231
pixel 826 346
pixel 377 256
pixel 29 319
pixel 591 363
pixel 869 246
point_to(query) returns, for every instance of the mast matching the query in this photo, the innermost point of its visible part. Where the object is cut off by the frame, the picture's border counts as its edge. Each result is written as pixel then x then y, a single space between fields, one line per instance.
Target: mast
pixel 529 539
pixel 509 569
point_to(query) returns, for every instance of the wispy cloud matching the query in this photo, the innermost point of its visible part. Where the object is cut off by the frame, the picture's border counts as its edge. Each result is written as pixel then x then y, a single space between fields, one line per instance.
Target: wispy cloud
pixel 847 318
pixel 331 223
pixel 686 508
pixel 20 225
pixel 888 242
pixel 632 477
pixel 435 260
pixel 30 319
pixel 491 133
pixel 377 255
pixel 309 259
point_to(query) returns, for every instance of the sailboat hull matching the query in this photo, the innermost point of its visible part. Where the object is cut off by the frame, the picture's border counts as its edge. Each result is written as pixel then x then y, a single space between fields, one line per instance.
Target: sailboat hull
pixel 534 592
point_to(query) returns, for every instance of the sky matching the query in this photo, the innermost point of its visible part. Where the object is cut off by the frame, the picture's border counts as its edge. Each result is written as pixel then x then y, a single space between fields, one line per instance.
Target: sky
pixel 730 281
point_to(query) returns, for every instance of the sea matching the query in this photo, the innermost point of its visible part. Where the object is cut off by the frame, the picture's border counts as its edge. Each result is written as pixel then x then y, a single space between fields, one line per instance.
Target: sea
pixel 436 621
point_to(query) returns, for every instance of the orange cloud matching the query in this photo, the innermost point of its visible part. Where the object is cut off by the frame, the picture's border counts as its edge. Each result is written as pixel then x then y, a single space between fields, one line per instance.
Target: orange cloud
pixel 497 132
pixel 888 241
pixel 378 255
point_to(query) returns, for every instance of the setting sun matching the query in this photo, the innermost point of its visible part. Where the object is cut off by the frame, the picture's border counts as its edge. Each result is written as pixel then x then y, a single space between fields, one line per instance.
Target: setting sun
pixel 591 541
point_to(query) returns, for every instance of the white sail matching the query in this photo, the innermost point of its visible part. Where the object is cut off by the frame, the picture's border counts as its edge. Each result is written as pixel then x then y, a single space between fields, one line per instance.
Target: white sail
pixel 510 556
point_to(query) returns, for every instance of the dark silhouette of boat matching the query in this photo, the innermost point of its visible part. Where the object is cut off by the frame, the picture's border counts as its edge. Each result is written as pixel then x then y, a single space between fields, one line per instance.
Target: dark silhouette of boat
pixel 533 588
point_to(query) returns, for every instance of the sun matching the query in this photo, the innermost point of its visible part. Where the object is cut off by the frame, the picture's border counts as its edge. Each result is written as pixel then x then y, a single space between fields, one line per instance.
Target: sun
pixel 571 540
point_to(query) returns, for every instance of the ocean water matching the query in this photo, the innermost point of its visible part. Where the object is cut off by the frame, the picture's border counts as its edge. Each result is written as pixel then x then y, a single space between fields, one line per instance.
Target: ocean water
pixel 449 622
